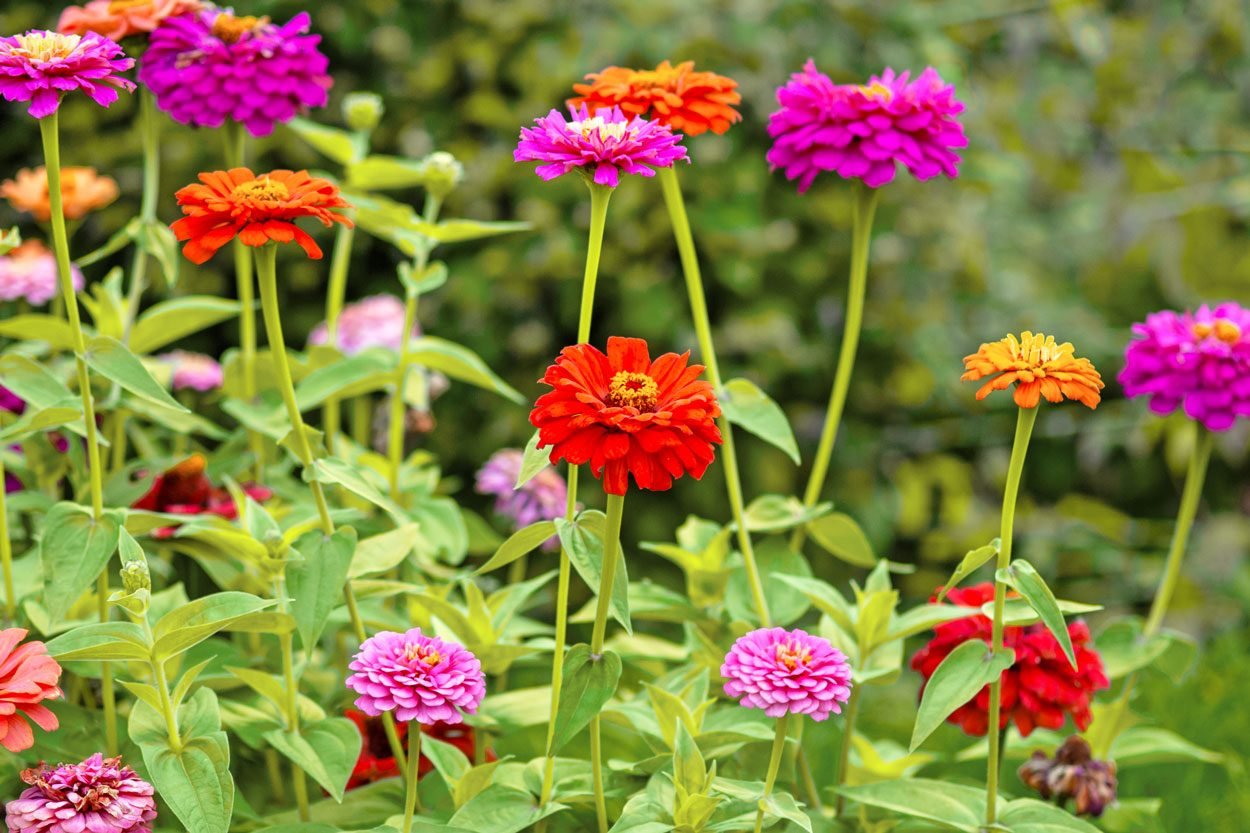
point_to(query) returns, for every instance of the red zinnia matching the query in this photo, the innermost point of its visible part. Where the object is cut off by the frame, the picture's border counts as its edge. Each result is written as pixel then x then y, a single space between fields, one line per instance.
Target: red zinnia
pixel 184 489
pixel 1039 689
pixel 627 415
pixel 376 761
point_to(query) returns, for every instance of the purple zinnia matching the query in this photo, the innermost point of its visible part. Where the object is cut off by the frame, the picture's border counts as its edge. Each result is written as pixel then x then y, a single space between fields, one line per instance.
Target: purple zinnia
pixel 29 273
pixel 41 66
pixel 99 795
pixel 544 497
pixel 418 677
pixel 602 145
pixel 1199 360
pixel 211 66
pixel 375 321
pixel 860 132
pixel 193 371
pixel 787 672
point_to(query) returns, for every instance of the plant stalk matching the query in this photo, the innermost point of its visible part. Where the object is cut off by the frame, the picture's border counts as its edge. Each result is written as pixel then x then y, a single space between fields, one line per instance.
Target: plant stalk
pixel 774 765
pixel 150 134
pixel 611 559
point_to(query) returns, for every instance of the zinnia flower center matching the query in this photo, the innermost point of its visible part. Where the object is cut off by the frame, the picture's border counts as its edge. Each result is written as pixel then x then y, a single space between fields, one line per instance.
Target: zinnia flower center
pixel 118 6
pixel 44 47
pixel 262 189
pixel 633 390
pixel 1223 330
pixel 193 466
pixel 791 655
pixel 877 90
pixel 422 653
pixel 605 129
pixel 229 29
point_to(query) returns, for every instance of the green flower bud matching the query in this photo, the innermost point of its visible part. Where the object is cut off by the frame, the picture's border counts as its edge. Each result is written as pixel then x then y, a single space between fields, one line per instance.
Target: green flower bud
pixel 362 111
pixel 442 173
pixel 135 576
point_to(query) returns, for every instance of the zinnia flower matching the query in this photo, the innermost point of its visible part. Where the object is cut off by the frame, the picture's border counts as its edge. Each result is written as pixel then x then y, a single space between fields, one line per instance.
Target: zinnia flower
pixel 193 371
pixel 1038 367
pixel 418 677
pixel 29 273
pixel 28 676
pixel 1074 773
pixel 602 146
pixel 1196 360
pixel 1039 689
pixel 676 96
pixel 376 760
pixel 787 672
pixel 544 497
pixel 41 66
pixel 627 415
pixel 861 132
pixel 185 489
pixel 212 66
pixel 117 19
pixel 375 321
pixel 256 209
pixel 82 191
pixel 99 795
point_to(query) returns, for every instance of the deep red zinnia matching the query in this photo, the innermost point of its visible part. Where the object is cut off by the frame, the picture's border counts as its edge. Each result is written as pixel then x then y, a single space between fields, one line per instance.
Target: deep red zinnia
pixel 185 489
pixel 376 761
pixel 1040 689
pixel 627 415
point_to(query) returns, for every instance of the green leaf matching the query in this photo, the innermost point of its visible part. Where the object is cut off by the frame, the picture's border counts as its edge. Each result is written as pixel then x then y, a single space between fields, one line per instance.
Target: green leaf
pixel 448 760
pixel 775 561
pixel 337 144
pixel 965 671
pixel 1028 815
pixel 534 461
pixel 192 623
pixel 429 279
pixel 972 560
pixel 36 326
pixel 943 802
pixel 501 809
pixel 746 405
pixel 120 240
pixel 158 240
pixel 334 470
pixel 110 358
pixel 380 553
pixel 826 598
pixel 774 513
pixel 783 806
pixel 326 749
pixel 1026 581
pixel 926 616
pixel 379 172
pixel 1019 613
pixel 460 363
pixel 315 583
pixel 589 682
pixel 689 768
pixel 35 384
pixel 842 537
pixel 166 322
pixel 1124 649
pixel 101 641
pixel 582 541
pixel 35 421
pixel 518 544
pixel 10 240
pixel 74 551
pixel 1150 745
pixel 332 379
pixel 266 685
pixel 460 231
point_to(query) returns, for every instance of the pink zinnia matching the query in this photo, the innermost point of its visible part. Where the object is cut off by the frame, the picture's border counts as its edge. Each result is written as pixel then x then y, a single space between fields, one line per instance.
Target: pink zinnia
pixel 28 676
pixel 544 497
pixel 375 321
pixel 212 66
pixel 29 273
pixel 860 132
pixel 41 66
pixel 787 672
pixel 601 146
pixel 99 795
pixel 193 371
pixel 1199 360
pixel 418 677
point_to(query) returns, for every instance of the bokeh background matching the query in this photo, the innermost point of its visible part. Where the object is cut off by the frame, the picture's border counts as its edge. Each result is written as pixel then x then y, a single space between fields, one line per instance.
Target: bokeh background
pixel 1106 178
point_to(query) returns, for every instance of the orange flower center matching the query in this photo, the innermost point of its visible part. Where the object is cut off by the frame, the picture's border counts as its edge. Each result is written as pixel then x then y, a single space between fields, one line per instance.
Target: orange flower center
pixel 265 189
pixel 1223 330
pixel 596 124
pixel 423 654
pixel 193 466
pixel 118 6
pixel 877 90
pixel 791 655
pixel 633 390
pixel 228 29
pixel 43 47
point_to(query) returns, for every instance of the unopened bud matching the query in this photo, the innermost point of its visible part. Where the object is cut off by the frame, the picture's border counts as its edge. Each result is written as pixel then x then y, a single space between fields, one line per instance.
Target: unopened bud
pixel 442 173
pixel 135 576
pixel 362 111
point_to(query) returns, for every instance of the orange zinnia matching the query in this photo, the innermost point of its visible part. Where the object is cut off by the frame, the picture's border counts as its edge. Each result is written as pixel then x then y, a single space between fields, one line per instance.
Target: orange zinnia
pixel 1038 367
pixel 82 191
pixel 676 96
pixel 256 209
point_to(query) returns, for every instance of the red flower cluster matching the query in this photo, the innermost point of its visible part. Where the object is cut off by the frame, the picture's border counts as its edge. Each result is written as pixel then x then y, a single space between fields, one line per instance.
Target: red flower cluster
pixel 376 762
pixel 185 489
pixel 1039 689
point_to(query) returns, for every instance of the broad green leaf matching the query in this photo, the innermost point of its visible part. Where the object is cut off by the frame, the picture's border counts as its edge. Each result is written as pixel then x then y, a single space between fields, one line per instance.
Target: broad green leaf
pixel 926 616
pixel 534 461
pixel 952 805
pixel 501 809
pixel 473 782
pixel 460 231
pixel 34 421
pixel 518 544
pixel 746 405
pixel 266 685
pixel 1022 576
pixel 334 470
pixel 1028 815
pixel 775 513
pixel 383 552
pixel 826 598
pixel 378 172
pixel 689 768
pixel 972 560
pixel 37 326
pixel 165 322
pixel 326 749
pixel 965 671
pixel 158 240
pixel 335 143
pixel 332 379
pixel 1150 745
pixel 1018 612
pixel 783 806
pixel 460 363
pixel 842 537
pixel 192 623
pixel 1124 650
pixel 102 641
pixel 74 550
pixel 448 760
pixel 110 358
pixel 582 541
pixel 315 583
pixel 589 682
pixel 444 534
pixel 179 422
pixel 34 383
pixel 775 560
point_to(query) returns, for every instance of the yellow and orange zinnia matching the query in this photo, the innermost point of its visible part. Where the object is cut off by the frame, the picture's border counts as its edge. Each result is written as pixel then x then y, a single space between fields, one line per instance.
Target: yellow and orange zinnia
pixel 679 97
pixel 1038 367
pixel 82 191
pixel 255 208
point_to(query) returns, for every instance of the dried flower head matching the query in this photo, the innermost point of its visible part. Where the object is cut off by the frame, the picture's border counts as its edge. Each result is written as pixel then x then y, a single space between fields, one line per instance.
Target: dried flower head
pixel 787 672
pixel 602 146
pixel 82 191
pixel 678 96
pixel 1038 367
pixel 1074 774
pixel 99 795
pixel 418 677
pixel 42 66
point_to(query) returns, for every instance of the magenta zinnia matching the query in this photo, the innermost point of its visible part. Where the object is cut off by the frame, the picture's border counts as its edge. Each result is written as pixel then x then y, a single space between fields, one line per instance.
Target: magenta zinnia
pixel 1196 360
pixel 787 672
pixel 41 66
pixel 544 497
pixel 99 795
pixel 602 146
pixel 418 677
pixel 375 321
pixel 863 131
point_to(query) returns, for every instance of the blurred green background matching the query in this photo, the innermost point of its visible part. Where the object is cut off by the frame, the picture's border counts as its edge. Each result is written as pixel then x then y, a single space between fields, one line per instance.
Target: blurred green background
pixel 1106 178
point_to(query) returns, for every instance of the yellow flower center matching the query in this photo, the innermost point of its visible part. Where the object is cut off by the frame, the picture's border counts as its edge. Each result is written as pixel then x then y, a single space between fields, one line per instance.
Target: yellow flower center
pixel 262 189
pixel 1034 350
pixel 633 390
pixel 118 6
pixel 877 90
pixel 791 655
pixel 228 28
pixel 423 654
pixel 1223 330
pixel 43 47
pixel 605 129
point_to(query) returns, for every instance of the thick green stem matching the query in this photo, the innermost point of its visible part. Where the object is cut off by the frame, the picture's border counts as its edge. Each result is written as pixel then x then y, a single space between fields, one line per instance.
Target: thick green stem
pixel 6 555
pixel 1019 448
pixel 340 260
pixel 848 738
pixel 150 133
pixel 611 559
pixel 290 691
pixel 865 208
pixel 774 765
pixel 412 796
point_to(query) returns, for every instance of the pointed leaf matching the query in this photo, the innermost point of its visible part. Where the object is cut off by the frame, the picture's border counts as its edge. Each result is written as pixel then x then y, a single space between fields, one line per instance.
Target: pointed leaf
pixel 74 551
pixel 534 461
pixel 518 544
pixel 842 537
pixel 460 363
pixel 383 552
pixel 37 326
pixel 315 583
pixel 1022 576
pixel 589 682
pixel 327 750
pixel 965 671
pixel 746 405
pixel 110 358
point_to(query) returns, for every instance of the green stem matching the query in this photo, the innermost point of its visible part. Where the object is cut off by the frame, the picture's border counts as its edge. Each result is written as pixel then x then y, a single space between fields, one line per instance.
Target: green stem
pixel 774 764
pixel 1019 448
pixel 49 130
pixel 362 420
pixel 235 156
pixel 611 558
pixel 865 207
pixel 412 797
pixel 340 260
pixel 848 738
pixel 167 706
pixel 150 133
pixel 290 691
pixel 6 555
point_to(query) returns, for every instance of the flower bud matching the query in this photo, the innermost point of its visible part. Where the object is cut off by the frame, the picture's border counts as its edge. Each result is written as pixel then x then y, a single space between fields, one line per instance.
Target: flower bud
pixel 442 173
pixel 135 576
pixel 362 111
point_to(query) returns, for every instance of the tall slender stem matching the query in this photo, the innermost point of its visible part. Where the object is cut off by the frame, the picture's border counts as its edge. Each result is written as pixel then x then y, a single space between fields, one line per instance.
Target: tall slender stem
pixel 6 555
pixel 611 558
pixel 774 765
pixel 848 739
pixel 150 135
pixel 167 705
pixel 412 795
pixel 340 260
pixel 865 208
pixel 290 690
pixel 1025 419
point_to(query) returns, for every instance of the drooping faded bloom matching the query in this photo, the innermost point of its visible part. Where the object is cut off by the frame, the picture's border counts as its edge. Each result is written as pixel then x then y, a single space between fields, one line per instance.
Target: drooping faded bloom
pixel 193 371
pixel 418 677
pixel 1073 774
pixel 1198 361
pixel 787 672
pixel 118 19
pixel 627 415
pixel 1038 367
pixel 212 66
pixel 99 795
pixel 375 321
pixel 82 191
pixel 864 131
pixel 679 97
pixel 544 497
pixel 602 145
pixel 28 676
pixel 29 273
pixel 42 66
pixel 185 489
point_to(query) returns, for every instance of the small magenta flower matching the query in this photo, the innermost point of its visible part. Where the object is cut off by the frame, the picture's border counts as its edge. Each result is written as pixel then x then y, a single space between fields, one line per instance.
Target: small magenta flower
pixel 193 371
pixel 1199 361
pixel 787 672
pixel 544 497
pixel 602 146
pixel 41 66
pixel 862 132
pixel 418 677
pixel 99 795
pixel 29 273
pixel 375 321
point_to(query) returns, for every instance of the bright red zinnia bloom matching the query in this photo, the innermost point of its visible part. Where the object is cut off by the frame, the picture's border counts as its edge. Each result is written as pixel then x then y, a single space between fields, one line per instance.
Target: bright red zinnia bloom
pixel 376 761
pixel 1040 689
pixel 185 489
pixel 627 415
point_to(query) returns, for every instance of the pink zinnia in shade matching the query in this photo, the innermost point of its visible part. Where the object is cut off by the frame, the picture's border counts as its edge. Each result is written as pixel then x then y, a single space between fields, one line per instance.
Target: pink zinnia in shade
pixel 41 66
pixel 28 676
pixel 29 273
pixel 193 371
pixel 212 66
pixel 99 795
pixel 544 497
pixel 375 321
pixel 787 672
pixel 418 677
pixel 601 146
pixel 1196 360
pixel 862 132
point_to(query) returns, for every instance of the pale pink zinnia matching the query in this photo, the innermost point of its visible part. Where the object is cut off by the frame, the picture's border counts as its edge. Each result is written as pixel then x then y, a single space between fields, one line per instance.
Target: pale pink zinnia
pixel 28 676
pixel 787 672
pixel 418 677
pixel 863 131
pixel 193 371
pixel 41 66
pixel 29 273
pixel 99 795
pixel 375 321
